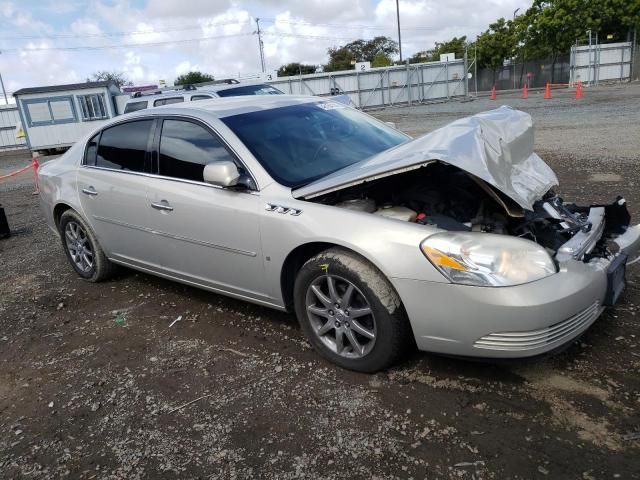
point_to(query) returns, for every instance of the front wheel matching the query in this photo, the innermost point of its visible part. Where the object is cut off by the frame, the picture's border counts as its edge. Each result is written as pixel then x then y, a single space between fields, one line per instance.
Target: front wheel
pixel 349 311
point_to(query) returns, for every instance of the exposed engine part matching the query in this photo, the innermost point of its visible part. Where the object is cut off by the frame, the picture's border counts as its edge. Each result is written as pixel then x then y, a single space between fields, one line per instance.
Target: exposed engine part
pixel 397 212
pixel 359 204
pixel 451 199
pixel 444 222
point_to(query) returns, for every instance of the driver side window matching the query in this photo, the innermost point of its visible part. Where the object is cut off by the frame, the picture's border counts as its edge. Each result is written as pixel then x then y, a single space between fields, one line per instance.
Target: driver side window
pixel 185 148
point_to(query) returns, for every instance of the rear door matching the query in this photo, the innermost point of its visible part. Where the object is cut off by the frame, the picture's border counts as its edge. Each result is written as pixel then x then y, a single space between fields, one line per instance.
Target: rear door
pixel 209 235
pixel 112 190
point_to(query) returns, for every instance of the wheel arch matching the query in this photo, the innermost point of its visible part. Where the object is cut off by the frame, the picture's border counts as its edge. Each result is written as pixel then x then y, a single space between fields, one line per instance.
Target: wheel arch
pixel 58 210
pixel 299 255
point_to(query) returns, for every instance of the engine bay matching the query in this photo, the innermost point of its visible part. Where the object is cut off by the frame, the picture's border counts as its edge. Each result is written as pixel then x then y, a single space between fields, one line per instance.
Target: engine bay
pixel 451 199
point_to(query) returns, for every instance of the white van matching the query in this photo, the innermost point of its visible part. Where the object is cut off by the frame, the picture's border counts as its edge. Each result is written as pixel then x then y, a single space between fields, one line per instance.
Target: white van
pixel 190 93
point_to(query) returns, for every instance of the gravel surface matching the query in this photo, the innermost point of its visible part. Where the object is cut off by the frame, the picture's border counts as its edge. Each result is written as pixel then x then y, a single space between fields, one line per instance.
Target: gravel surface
pixel 95 383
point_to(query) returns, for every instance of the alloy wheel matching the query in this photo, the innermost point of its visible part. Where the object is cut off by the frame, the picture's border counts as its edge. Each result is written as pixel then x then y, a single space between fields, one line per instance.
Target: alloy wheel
pixel 341 316
pixel 79 246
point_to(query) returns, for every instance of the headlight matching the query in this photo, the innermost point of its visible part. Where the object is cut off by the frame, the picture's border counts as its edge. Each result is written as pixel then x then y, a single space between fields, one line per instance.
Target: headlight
pixel 487 260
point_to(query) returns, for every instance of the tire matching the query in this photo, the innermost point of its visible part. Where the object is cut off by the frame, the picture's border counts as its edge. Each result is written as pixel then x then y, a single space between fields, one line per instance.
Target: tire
pixel 82 248
pixel 382 336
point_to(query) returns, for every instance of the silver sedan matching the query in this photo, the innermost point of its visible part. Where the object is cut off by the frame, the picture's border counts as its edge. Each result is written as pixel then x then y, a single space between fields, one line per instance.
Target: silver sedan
pixel 454 242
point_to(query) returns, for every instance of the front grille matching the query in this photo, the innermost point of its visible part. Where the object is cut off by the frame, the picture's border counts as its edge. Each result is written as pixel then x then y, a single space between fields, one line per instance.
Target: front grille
pixel 532 339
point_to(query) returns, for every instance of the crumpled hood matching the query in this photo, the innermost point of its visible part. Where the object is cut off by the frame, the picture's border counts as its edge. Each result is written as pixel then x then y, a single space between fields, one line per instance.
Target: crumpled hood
pixel 496 146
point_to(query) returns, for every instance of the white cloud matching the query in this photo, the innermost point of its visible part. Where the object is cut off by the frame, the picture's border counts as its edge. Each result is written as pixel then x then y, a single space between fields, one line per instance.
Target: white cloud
pixel 294 31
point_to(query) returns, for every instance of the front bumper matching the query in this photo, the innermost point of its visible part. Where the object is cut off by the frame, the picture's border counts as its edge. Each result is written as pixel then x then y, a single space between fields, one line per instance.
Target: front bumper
pixel 505 322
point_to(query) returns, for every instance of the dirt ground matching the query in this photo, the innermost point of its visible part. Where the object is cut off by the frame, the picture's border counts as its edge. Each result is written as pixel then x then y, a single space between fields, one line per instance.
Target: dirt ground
pixel 95 383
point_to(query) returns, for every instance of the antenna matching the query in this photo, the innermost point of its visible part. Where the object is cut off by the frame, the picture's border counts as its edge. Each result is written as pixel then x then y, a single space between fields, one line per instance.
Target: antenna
pixel 260 44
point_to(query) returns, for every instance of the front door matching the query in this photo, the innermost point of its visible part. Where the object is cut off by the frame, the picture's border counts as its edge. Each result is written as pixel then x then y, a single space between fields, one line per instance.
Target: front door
pixel 207 235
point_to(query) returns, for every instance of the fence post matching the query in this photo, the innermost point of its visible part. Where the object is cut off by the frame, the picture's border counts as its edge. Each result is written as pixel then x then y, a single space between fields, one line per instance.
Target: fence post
pixel 408 83
pixel 446 76
pixel 358 87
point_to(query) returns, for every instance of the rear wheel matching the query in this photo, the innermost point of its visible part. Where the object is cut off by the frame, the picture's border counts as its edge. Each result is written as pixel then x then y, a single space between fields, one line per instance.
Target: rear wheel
pixel 82 248
pixel 349 311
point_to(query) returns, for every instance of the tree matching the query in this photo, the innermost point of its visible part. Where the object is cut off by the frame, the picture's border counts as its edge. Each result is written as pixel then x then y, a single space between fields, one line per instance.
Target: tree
pixel 455 45
pixel 295 68
pixel 342 58
pixel 381 60
pixel 193 77
pixel 119 78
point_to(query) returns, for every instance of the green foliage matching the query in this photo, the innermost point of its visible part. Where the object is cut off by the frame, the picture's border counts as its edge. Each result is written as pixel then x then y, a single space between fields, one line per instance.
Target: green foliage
pixel 295 68
pixel 193 77
pixel 381 60
pixel 549 28
pixel 341 58
pixel 455 45
pixel 119 78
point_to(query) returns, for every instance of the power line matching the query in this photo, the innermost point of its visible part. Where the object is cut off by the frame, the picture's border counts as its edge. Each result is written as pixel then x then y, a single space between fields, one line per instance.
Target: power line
pixel 341 26
pixel 123 45
pixel 170 42
pixel 123 33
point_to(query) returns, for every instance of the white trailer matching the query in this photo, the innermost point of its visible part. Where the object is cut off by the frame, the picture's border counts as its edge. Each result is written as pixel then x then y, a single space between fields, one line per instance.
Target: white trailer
pixel 57 116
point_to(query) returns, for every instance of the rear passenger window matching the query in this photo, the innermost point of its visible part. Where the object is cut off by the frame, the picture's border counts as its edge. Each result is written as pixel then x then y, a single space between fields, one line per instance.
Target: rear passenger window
pixel 92 150
pixel 185 148
pixel 200 97
pixel 167 101
pixel 123 147
pixel 135 106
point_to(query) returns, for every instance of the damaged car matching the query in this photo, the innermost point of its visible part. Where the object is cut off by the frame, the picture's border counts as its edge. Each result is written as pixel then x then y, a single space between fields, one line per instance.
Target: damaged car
pixel 455 242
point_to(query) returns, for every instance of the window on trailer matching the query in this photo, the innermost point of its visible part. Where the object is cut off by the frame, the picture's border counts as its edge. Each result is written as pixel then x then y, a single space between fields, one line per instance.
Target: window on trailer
pixel 93 107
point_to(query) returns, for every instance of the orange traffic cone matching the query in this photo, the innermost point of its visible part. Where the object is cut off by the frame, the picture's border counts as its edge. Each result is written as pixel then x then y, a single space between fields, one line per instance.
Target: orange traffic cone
pixel 525 91
pixel 547 92
pixel 493 93
pixel 579 91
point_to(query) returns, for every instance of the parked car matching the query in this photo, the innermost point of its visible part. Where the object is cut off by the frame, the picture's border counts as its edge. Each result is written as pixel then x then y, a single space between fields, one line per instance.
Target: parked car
pixel 454 241
pixel 157 99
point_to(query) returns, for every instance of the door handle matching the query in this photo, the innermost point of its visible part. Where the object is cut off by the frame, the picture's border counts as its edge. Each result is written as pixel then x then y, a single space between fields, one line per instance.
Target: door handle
pixel 162 206
pixel 89 191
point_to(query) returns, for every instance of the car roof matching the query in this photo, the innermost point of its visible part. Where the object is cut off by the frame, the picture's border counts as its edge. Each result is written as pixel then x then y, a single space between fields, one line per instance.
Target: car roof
pixel 205 89
pixel 229 106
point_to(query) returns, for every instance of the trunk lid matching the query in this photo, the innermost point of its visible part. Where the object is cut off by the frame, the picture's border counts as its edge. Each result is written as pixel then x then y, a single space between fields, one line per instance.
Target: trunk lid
pixel 496 146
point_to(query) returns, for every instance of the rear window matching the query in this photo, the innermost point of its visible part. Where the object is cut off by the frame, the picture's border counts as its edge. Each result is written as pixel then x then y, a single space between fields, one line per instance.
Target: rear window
pixel 135 106
pixel 124 146
pixel 167 101
pixel 249 90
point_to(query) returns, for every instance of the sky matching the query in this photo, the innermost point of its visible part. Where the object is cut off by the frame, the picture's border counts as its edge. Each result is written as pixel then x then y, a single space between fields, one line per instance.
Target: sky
pixel 54 42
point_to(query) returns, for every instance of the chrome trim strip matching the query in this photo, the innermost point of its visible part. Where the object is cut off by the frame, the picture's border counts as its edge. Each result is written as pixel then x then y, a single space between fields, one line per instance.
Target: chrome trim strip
pixel 176 237
pixel 583 242
pixel 529 340
pixel 151 271
pixel 160 177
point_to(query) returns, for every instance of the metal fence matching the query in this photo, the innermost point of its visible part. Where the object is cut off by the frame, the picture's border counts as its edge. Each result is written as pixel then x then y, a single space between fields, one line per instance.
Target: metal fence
pixel 387 86
pixel 9 118
pixel 533 73
pixel 601 62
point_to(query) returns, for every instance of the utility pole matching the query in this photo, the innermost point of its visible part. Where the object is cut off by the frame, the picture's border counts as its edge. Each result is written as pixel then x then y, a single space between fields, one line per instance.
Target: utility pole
pixel 260 44
pixel 399 37
pixel 4 92
pixel 513 58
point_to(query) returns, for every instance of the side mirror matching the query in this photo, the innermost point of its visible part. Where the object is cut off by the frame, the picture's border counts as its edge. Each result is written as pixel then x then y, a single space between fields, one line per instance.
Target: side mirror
pixel 222 174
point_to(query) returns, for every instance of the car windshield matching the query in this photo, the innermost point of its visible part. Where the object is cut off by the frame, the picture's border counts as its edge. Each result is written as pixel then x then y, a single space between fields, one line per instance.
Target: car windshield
pixel 301 143
pixel 249 90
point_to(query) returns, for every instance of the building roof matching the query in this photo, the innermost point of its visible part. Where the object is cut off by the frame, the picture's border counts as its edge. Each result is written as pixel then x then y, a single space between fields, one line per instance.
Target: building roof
pixel 63 88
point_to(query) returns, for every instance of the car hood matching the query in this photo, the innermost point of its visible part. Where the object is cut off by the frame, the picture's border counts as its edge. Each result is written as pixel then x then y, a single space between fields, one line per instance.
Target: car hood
pixel 496 146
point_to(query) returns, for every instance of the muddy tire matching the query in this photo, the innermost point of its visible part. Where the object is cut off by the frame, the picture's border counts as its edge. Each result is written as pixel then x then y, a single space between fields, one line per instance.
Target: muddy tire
pixel 350 312
pixel 82 248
